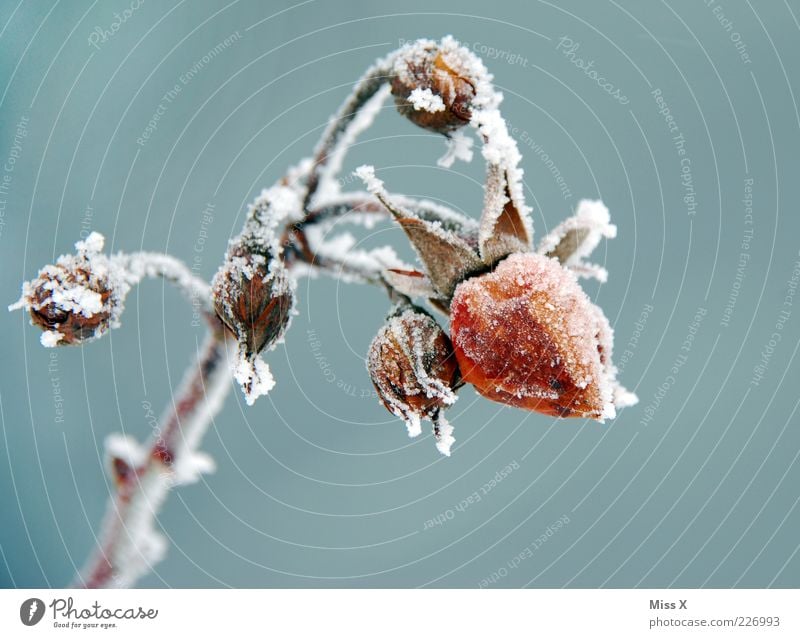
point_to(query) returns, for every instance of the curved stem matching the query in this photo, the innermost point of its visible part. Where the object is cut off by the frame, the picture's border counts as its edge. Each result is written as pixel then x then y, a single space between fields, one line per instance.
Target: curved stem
pixel 150 265
pixel 346 124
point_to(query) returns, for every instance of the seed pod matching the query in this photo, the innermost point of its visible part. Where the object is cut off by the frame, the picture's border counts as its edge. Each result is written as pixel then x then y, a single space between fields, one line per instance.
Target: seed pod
pixel 78 298
pixel 412 366
pixel 253 298
pixel 434 85
pixel 527 335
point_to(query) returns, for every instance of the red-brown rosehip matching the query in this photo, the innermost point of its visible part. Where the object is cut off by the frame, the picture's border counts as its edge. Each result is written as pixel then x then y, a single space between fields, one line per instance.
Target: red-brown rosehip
pixel 527 335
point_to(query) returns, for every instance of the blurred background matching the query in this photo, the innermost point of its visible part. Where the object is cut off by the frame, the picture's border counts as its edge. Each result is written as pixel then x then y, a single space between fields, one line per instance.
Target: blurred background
pixel 681 116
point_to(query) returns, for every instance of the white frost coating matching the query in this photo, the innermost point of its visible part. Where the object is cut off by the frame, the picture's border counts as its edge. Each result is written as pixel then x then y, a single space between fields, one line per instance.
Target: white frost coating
pixel 413 425
pixel 590 271
pixel 50 338
pixel 443 432
pixel 328 185
pixel 360 264
pixel 125 448
pixel 191 465
pixel 624 398
pixel 426 100
pixel 92 244
pixel 253 375
pixel 459 147
pixel 366 173
pixel 593 221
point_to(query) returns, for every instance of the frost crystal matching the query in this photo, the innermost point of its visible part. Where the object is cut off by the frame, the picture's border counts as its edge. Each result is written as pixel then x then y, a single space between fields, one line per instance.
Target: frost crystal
pixel 459 147
pixel 253 374
pixel 126 449
pixel 425 100
pixel 443 432
pixel 50 338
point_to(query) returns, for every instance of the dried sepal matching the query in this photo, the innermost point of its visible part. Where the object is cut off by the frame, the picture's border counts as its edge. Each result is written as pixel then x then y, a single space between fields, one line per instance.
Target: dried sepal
pixel 78 298
pixel 504 230
pixel 575 238
pixel 411 283
pixel 447 258
pixel 527 335
pixel 412 365
pixel 434 84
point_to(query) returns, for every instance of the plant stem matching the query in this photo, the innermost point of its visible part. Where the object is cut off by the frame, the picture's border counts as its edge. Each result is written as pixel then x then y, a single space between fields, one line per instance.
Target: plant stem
pixel 128 545
pixel 345 125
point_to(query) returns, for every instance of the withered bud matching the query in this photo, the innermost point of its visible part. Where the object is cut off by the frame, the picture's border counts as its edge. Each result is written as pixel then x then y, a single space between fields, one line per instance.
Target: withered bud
pixel 253 298
pixel 434 85
pixel 527 335
pixel 412 365
pixel 78 298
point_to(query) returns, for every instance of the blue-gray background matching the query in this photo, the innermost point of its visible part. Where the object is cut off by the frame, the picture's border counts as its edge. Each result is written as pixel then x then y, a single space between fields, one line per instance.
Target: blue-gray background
pixel 317 485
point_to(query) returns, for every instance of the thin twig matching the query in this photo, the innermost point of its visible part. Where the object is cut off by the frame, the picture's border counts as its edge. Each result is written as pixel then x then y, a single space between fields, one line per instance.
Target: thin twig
pixel 129 545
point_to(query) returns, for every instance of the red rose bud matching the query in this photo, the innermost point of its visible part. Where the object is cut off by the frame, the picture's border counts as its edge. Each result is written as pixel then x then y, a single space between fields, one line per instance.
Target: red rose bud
pixel 253 298
pixel 527 335
pixel 412 366
pixel 434 84
pixel 78 298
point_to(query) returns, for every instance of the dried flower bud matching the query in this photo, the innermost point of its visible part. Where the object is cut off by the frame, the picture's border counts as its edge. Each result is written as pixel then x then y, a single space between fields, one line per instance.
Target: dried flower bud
pixel 527 335
pixel 253 298
pixel 434 85
pixel 78 298
pixel 412 366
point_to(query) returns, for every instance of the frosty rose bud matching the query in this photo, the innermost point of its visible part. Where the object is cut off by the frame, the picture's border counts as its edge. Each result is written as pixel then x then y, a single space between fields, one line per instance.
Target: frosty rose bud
pixel 433 86
pixel 412 366
pixel 253 299
pixel 76 299
pixel 527 335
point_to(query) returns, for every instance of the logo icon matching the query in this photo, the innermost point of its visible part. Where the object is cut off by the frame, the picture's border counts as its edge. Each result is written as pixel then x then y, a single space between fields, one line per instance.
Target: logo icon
pixel 31 611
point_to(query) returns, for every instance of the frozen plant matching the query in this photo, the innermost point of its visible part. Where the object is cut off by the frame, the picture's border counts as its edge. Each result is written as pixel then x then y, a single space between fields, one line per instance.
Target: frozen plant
pixel 522 330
